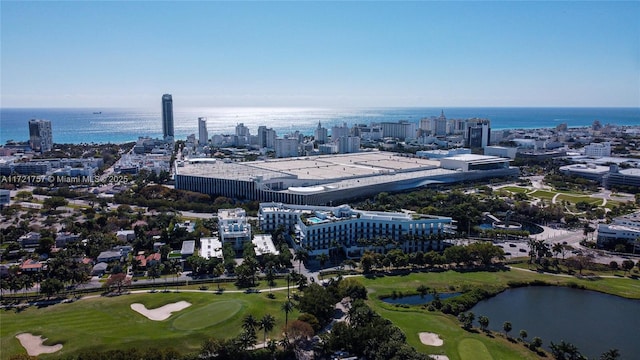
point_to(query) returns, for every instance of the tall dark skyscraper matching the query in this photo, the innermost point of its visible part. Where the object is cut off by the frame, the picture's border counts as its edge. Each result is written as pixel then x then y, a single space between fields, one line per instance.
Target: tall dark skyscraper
pixel 40 138
pixel 167 116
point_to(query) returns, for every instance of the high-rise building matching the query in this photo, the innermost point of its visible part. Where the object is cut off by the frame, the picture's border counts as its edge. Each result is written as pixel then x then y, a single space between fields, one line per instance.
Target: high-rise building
pixel 320 134
pixel 266 137
pixel 401 130
pixel 478 133
pixel 242 130
pixel 40 137
pixel 167 116
pixel 339 131
pixel 203 134
pixel 286 147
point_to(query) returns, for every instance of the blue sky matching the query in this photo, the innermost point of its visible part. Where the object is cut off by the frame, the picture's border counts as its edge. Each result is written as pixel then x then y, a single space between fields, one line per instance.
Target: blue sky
pixel 319 54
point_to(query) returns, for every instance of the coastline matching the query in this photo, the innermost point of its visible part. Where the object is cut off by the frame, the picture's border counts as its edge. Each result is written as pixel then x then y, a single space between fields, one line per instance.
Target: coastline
pixel 122 125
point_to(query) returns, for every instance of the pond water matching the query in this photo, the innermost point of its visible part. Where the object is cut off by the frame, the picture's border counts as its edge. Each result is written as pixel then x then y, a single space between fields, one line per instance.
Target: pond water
pixel 592 321
pixel 417 299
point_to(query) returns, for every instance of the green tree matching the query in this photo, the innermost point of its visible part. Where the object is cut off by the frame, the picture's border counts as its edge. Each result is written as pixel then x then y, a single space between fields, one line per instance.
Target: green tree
pixel 249 323
pixel 54 202
pixel 485 252
pixel 627 265
pixel 535 343
pixel 523 335
pixel 611 354
pixel 318 302
pixel 565 351
pixel 50 287
pixel 484 322
pixel 154 271
pixel 287 307
pixel 367 261
pixel 506 326
pixel 323 258
pixel 267 324
pixel 301 255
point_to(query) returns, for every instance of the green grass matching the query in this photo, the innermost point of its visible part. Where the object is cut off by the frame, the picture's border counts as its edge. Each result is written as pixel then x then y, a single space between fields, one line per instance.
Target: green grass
pixel 515 189
pixel 473 349
pixel 209 315
pixel 543 194
pixel 109 323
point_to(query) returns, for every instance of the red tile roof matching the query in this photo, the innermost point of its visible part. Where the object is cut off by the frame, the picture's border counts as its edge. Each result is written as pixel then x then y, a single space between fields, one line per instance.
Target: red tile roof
pixel 31 265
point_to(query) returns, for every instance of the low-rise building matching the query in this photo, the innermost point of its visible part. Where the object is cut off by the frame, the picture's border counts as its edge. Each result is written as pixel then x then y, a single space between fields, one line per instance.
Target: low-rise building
pixel 321 228
pixel 211 247
pixel 263 244
pixel 623 229
pixel 587 171
pixel 622 177
pixel 188 248
pixel 31 266
pixel 109 256
pixel 64 238
pixel 126 235
pixel 30 240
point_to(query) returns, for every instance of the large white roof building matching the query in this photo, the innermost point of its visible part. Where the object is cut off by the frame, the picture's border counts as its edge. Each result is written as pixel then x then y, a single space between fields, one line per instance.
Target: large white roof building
pixel 325 179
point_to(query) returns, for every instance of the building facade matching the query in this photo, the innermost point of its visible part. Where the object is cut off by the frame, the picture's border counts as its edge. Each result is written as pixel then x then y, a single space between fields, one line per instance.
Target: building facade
pixel 623 229
pixel 203 134
pixel 478 133
pixel 320 229
pixel 233 227
pixel 320 134
pixel 167 117
pixel 598 149
pixel 40 135
pixel 287 147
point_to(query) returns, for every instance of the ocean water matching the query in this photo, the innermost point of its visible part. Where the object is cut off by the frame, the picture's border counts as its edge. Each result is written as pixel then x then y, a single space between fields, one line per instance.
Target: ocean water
pixel 124 125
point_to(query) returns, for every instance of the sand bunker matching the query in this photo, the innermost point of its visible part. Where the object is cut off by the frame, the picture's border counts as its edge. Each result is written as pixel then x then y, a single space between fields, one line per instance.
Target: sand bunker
pixel 161 313
pixel 33 344
pixel 430 339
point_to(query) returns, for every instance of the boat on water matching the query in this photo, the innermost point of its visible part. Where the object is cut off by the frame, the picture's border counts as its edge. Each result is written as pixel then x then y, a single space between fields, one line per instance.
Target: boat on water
pixel 97 112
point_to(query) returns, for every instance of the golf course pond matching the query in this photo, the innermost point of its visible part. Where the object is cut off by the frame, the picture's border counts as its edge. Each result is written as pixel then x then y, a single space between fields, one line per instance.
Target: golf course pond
pixel 592 321
pixel 416 299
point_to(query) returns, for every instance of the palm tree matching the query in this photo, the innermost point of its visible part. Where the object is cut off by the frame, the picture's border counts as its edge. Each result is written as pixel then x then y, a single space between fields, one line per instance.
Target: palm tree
pixel 272 346
pixel 267 323
pixel 322 258
pixel 301 256
pixel 27 282
pixel 557 249
pixel 249 323
pixel 523 334
pixel 246 339
pixel 287 307
pixel 484 322
pixel 506 327
pixel 611 354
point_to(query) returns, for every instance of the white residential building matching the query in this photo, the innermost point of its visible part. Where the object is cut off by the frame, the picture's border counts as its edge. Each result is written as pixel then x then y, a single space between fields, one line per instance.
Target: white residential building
pixel 233 227
pixel 263 244
pixel 321 228
pixel 287 147
pixel 598 149
pixel 210 247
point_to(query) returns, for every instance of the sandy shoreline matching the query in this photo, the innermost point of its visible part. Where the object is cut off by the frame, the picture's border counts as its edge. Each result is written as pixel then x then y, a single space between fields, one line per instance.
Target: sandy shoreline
pixel 33 344
pixel 161 313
